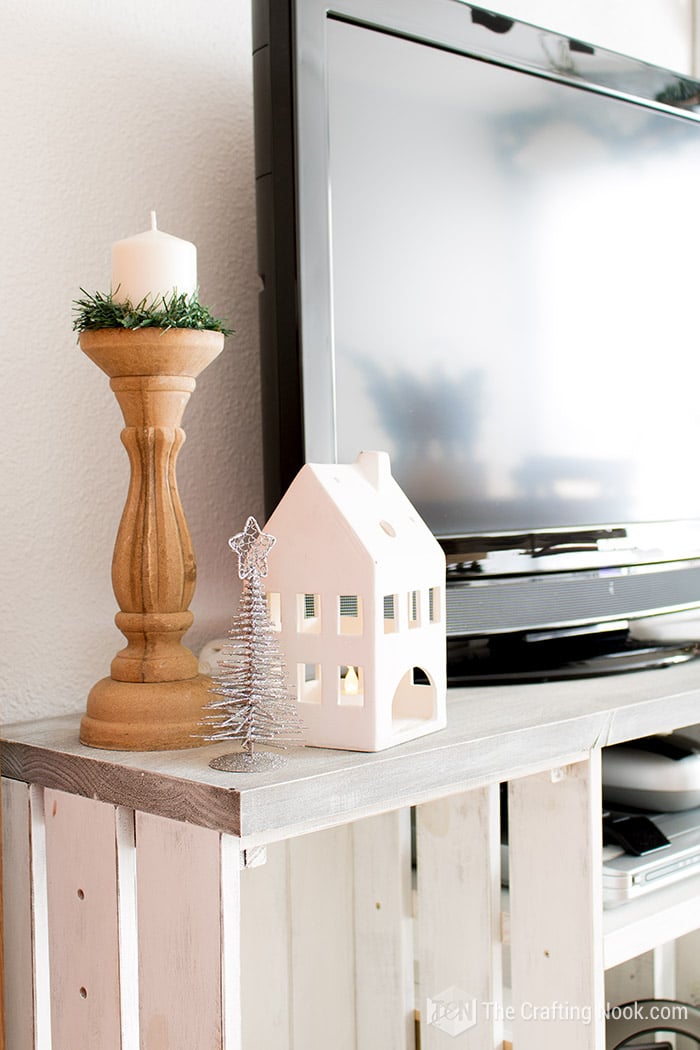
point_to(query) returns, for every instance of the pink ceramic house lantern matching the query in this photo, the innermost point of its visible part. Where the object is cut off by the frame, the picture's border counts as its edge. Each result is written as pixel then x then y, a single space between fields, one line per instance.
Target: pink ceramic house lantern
pixel 356 587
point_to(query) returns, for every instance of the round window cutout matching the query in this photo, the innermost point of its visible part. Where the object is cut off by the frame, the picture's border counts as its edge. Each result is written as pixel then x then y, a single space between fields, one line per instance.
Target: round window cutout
pixel 388 528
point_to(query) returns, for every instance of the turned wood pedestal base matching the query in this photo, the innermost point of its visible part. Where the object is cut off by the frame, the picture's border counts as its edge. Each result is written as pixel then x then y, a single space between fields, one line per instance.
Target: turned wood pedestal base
pixel 144 716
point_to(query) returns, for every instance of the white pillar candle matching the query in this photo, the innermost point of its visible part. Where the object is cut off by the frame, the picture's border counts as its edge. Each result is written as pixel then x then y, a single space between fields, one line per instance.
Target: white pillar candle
pixel 152 265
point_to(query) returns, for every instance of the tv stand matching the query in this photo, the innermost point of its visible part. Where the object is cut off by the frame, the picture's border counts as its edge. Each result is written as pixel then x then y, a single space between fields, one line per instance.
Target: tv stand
pixel 152 901
pixel 527 658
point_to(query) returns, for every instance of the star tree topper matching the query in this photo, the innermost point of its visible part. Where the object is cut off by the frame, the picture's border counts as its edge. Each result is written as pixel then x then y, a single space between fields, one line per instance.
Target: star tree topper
pixel 252 547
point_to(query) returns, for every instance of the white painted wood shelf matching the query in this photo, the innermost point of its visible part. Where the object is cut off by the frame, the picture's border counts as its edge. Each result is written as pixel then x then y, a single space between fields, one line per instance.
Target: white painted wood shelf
pixel 151 901
pixel 643 924
pixel 651 921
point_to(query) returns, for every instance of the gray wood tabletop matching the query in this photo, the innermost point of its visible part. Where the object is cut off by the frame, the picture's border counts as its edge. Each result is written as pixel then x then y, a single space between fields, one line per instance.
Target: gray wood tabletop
pixel 494 733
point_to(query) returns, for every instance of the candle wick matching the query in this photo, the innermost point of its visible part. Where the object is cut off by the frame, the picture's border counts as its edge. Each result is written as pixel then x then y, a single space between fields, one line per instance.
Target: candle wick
pixel 153 221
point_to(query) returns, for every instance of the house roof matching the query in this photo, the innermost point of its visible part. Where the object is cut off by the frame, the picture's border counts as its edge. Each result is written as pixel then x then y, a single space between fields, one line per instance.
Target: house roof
pixel 373 506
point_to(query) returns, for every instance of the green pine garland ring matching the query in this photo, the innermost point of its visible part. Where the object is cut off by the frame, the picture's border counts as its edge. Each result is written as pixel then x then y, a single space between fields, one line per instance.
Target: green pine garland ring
pixel 179 311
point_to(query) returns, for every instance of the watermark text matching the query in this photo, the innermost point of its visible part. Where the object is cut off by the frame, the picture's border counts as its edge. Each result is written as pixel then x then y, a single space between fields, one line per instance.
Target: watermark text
pixel 454 1012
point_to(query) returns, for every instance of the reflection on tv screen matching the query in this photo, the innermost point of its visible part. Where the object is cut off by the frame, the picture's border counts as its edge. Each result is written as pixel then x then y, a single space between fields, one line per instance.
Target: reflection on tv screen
pixel 513 289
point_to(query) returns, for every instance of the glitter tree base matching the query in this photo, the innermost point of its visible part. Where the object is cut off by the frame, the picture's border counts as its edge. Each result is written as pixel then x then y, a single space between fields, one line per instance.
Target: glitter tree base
pixel 245 762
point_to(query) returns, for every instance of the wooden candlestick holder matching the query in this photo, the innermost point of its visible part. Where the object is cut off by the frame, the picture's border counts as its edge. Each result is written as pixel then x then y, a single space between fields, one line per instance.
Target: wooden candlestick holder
pixel 154 696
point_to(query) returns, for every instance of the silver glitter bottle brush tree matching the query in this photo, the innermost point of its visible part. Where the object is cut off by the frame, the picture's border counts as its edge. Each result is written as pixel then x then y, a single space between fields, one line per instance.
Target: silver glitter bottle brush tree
pixel 252 701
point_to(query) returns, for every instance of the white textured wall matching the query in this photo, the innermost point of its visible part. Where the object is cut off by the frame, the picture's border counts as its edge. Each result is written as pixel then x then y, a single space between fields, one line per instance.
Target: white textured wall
pixel 109 110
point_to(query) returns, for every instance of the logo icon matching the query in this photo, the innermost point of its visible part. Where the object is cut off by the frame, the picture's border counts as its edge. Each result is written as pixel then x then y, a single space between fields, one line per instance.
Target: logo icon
pixel 452 1011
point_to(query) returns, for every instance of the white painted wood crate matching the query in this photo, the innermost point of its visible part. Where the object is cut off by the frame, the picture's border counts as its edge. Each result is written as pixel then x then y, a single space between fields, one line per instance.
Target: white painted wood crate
pixel 152 903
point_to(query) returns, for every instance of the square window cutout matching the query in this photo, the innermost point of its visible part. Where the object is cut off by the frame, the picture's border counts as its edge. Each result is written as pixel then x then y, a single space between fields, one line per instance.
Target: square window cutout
pixel 309 683
pixel 414 609
pixel 349 614
pixel 351 686
pixel 391 608
pixel 309 613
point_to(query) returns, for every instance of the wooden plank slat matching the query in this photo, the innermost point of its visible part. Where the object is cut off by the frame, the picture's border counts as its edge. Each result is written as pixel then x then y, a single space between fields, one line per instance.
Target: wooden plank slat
pixel 179 924
pixel 688 968
pixel 125 826
pixel 265 953
pixel 555 857
pixel 19 976
pixel 384 970
pixel 458 921
pixel 322 967
pixel 2 946
pixel 230 933
pixel 40 921
pixel 81 865
pixel 632 979
pixel 40 931
pixel 664 967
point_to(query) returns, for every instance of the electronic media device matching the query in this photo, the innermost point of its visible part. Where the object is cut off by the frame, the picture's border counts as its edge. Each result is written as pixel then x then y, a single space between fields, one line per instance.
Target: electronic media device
pixel 660 772
pixel 627 876
pixel 477 245
pixel 642 852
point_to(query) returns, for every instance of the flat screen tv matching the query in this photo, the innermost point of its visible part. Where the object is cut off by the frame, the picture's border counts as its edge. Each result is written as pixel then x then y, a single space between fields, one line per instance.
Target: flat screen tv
pixel 478 248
